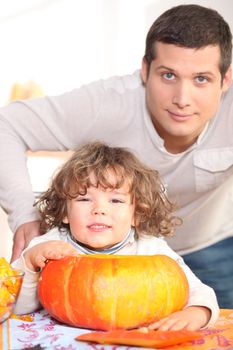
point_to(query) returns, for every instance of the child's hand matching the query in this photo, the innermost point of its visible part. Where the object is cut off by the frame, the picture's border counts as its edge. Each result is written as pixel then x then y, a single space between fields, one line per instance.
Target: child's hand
pixel 193 318
pixel 36 256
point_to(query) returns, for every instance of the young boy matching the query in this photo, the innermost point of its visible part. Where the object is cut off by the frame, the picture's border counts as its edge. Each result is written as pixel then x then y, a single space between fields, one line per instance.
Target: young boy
pixel 104 200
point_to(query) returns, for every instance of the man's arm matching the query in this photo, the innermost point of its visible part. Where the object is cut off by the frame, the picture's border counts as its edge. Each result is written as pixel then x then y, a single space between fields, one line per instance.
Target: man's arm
pixel 23 235
pixel 22 127
pixel 42 124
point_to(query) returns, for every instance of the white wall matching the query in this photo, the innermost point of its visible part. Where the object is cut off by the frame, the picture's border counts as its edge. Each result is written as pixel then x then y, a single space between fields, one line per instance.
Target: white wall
pixel 62 44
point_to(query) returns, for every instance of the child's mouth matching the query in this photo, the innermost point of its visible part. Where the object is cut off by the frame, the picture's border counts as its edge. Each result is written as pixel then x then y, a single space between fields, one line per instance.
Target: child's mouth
pixel 98 227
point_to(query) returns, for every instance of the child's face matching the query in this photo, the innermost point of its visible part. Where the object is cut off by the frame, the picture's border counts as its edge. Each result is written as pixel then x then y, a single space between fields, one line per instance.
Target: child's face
pixel 101 218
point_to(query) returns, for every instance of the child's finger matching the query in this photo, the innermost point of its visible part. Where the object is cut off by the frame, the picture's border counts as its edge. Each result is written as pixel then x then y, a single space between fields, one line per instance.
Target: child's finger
pixel 157 324
pixel 173 325
pixel 40 261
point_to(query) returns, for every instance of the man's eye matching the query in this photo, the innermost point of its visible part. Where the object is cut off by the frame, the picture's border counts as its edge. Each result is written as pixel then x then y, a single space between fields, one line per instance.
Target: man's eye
pixel 168 76
pixel 201 79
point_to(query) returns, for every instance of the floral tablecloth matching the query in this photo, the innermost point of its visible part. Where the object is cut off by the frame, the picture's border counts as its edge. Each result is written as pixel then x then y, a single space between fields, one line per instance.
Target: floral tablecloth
pixel 45 333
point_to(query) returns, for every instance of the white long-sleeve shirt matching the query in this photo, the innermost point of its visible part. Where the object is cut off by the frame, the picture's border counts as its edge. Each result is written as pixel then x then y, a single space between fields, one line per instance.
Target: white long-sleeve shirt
pixel 199 293
pixel 199 180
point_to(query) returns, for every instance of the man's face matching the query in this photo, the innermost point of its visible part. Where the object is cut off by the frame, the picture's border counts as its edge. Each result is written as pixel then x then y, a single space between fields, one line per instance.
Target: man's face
pixel 183 91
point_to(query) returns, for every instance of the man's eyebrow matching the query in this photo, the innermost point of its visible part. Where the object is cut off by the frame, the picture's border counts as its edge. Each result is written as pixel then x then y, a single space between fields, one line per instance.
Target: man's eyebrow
pixel 165 67
pixel 204 73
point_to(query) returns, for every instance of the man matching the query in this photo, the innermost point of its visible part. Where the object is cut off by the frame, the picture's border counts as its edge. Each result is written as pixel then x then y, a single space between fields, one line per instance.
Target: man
pixel 176 114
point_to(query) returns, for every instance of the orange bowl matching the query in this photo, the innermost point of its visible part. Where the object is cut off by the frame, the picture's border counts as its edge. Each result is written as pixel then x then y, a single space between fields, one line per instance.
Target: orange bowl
pixel 9 291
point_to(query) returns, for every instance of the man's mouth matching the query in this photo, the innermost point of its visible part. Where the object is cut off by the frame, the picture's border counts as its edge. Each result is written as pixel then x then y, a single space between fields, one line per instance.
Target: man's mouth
pixel 180 116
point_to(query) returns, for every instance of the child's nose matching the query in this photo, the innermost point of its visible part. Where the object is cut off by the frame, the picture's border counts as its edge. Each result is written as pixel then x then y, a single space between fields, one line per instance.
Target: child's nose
pixel 99 210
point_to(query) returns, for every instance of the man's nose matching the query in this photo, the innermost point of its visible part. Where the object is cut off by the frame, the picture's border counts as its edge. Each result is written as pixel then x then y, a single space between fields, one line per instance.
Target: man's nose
pixel 182 95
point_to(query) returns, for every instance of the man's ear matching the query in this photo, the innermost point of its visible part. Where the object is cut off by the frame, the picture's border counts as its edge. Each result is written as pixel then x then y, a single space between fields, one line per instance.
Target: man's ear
pixel 144 70
pixel 227 80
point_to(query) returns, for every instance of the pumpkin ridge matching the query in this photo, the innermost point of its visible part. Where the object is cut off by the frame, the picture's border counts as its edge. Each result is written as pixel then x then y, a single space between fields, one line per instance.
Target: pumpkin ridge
pixel 114 306
pixel 67 290
pixel 145 311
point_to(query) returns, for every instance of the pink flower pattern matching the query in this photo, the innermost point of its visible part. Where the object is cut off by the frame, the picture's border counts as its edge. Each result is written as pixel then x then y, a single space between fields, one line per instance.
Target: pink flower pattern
pixel 50 334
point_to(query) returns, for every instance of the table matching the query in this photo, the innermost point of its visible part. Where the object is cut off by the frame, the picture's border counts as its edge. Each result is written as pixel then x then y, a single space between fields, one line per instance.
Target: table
pixel 17 335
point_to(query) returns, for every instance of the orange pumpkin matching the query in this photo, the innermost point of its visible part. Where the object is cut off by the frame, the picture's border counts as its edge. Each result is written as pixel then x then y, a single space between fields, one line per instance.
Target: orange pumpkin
pixel 106 292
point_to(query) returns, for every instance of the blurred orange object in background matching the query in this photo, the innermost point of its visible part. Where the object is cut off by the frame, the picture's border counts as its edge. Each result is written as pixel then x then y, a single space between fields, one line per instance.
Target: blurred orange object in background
pixel 26 90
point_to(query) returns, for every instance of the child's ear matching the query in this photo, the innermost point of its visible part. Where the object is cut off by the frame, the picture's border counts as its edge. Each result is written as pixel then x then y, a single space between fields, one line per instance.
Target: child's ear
pixel 133 222
pixel 65 220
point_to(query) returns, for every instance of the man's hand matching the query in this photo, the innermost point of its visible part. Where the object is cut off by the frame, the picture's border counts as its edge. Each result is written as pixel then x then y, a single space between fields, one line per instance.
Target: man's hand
pixel 23 236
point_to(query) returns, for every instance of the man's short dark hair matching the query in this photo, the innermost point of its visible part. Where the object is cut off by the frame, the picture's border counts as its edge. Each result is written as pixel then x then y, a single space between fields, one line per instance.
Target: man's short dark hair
pixel 191 26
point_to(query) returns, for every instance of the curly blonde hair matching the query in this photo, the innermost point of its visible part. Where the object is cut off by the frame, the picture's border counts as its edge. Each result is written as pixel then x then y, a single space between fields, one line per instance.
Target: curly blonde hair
pixel 153 210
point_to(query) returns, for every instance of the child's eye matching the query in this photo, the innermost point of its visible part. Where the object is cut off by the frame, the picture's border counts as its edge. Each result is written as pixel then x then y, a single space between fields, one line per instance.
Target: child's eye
pixel 115 200
pixel 83 199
